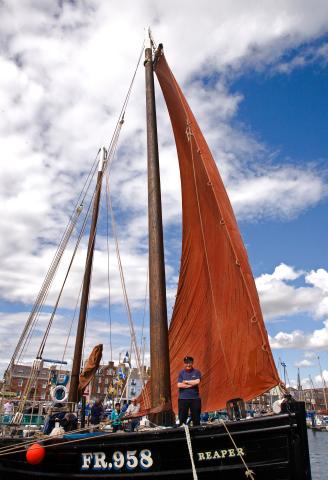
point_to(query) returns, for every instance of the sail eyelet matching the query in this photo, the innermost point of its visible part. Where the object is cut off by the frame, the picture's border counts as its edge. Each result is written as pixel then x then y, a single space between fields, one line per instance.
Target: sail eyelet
pixel 254 319
pixel 209 183
pixel 222 222
pixel 237 262
pixel 189 132
pixel 264 347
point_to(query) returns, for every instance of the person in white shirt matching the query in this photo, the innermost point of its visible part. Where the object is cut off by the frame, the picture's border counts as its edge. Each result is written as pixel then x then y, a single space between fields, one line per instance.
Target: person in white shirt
pixel 8 408
pixel 133 410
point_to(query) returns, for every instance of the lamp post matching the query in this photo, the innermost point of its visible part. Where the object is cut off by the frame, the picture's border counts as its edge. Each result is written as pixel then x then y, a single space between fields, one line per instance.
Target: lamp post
pixel 284 367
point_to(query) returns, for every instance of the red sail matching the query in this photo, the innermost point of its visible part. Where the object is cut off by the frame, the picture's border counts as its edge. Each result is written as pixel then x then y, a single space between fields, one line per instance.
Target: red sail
pixel 217 317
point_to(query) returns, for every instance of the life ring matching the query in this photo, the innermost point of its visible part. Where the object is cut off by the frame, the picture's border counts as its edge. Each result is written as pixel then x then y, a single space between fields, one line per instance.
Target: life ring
pixel 59 394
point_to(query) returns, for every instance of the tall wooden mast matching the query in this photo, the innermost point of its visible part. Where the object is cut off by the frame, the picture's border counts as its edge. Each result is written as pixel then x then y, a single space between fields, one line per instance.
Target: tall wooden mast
pixel 74 383
pixel 159 345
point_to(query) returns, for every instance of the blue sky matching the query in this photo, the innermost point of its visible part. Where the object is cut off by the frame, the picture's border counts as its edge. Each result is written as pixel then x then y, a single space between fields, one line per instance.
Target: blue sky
pixel 256 78
pixel 289 112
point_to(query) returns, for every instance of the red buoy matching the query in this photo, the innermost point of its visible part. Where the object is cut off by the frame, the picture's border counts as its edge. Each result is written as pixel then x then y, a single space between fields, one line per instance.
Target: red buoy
pixel 35 454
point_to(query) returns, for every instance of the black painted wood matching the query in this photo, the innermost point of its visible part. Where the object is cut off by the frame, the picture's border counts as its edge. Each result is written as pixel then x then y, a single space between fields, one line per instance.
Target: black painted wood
pixel 275 447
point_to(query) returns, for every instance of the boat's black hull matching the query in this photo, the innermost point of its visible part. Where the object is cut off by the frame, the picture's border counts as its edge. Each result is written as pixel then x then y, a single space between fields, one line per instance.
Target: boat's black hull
pixel 274 447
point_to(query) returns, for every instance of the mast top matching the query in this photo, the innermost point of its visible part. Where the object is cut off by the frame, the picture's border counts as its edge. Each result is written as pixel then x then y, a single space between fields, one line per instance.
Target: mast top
pixel 147 37
pixel 102 159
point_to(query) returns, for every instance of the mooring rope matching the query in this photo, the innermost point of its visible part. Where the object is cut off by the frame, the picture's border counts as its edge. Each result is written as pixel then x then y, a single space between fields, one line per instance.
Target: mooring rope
pixel 249 473
pixel 194 473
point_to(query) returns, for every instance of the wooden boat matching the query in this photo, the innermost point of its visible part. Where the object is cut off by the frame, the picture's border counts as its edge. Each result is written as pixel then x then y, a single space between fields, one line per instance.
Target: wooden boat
pixel 216 318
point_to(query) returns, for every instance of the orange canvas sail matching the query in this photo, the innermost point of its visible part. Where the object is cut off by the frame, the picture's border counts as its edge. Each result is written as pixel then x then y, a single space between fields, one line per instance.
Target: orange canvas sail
pixel 90 368
pixel 217 317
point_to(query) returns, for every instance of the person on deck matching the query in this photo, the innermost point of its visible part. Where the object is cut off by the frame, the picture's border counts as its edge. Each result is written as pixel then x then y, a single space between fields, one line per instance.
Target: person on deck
pixel 124 406
pixel 116 418
pixel 96 413
pixel 189 399
pixel 69 422
pixel 133 410
pixel 8 410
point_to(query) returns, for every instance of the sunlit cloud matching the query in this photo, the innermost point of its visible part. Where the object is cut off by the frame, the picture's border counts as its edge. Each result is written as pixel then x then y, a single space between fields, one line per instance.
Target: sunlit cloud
pixel 65 69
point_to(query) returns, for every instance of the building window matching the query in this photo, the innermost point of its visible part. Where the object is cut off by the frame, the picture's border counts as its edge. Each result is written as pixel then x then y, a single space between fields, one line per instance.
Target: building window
pixel 105 391
pixel 110 371
pixel 20 382
pixel 43 395
pixel 106 381
pixel 44 385
pixel 98 390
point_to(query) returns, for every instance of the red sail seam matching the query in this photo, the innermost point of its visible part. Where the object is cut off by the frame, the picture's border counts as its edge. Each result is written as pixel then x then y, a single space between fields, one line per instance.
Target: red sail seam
pixel 204 243
pixel 263 335
pixel 189 129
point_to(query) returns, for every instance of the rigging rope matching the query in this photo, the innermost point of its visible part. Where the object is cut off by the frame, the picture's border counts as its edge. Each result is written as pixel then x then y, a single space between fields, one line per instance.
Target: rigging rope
pixel 70 331
pixel 111 153
pixel 37 363
pixel 42 295
pixel 142 338
pixel 32 320
pixel 125 295
pixel 46 334
pixel 108 282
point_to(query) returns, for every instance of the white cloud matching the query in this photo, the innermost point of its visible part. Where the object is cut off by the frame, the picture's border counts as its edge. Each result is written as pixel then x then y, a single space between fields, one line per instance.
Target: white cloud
pixel 310 355
pixel 279 298
pixel 318 339
pixel 318 378
pixel 56 344
pixel 304 363
pixel 282 193
pixel 64 70
pixel 318 278
pixel 308 55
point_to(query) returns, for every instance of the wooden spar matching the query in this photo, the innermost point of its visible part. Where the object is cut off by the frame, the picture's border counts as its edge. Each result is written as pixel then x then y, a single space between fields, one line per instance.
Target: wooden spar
pixel 159 345
pixel 76 368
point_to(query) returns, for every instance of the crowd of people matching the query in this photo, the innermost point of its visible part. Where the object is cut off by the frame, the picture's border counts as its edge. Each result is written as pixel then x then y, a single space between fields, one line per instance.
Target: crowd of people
pixel 115 414
pixel 126 415
pixel 96 413
pixel 118 415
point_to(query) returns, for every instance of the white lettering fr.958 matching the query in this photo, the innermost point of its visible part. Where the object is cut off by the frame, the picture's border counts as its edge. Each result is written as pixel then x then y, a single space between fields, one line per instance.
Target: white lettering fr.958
pixel 99 461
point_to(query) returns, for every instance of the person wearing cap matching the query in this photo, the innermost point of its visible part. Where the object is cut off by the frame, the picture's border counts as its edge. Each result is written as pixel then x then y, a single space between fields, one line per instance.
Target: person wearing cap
pixel 189 399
